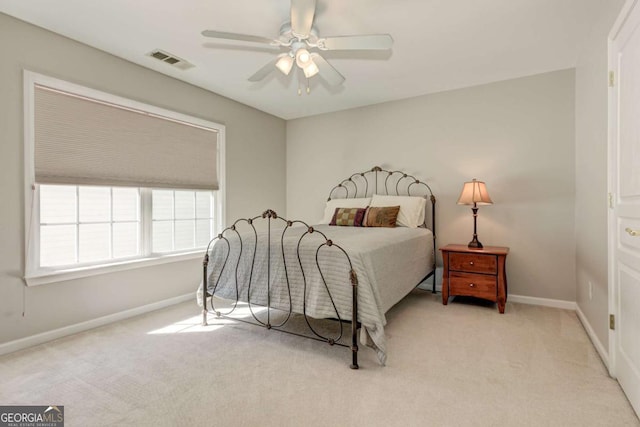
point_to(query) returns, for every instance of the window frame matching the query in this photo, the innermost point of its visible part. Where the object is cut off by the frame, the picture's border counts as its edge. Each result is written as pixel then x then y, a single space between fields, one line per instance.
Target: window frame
pixel 36 275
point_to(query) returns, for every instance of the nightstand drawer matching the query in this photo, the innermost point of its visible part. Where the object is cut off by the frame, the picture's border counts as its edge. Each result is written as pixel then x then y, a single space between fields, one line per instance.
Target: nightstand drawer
pixel 473 263
pixel 474 285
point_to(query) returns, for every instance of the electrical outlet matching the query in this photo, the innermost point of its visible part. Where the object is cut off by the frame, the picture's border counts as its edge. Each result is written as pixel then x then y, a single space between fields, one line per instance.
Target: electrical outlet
pixel 590 290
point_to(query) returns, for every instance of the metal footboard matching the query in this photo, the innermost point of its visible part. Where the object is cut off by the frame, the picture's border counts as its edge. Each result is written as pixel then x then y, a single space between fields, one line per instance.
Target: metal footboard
pixel 273 251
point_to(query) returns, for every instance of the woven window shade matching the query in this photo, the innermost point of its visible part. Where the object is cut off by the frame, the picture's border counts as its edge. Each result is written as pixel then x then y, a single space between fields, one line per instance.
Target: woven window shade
pixel 87 142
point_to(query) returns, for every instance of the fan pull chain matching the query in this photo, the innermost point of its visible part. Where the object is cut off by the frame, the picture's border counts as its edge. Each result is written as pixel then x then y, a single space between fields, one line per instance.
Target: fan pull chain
pixel 308 89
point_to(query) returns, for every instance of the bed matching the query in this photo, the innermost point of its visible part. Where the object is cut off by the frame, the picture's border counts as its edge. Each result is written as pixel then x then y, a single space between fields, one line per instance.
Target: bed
pixel 279 268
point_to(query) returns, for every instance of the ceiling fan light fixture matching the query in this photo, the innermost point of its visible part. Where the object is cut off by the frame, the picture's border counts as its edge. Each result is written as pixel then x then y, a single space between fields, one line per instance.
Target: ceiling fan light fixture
pixel 300 35
pixel 311 69
pixel 285 63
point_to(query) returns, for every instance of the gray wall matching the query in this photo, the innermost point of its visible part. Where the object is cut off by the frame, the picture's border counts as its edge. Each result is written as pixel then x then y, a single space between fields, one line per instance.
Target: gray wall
pixel 255 153
pixel 516 135
pixel 591 172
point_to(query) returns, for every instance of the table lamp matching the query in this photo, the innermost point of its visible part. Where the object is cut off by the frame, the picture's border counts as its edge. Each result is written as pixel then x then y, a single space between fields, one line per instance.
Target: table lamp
pixel 474 193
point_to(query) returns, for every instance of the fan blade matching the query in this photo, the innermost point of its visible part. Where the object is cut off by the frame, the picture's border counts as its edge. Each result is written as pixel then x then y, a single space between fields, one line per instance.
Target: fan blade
pixel 239 37
pixel 264 71
pixel 367 42
pixel 330 74
pixel 302 12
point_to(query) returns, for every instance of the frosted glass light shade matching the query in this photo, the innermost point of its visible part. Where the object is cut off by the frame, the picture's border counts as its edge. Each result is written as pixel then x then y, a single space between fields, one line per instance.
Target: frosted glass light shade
pixel 311 69
pixel 285 63
pixel 302 57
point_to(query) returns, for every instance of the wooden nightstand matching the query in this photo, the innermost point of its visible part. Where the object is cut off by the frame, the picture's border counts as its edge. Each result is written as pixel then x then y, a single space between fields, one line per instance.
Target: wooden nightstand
pixel 477 273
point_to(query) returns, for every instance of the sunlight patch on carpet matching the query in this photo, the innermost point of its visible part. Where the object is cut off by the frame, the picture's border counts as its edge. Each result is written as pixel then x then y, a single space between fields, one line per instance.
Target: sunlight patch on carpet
pixel 194 324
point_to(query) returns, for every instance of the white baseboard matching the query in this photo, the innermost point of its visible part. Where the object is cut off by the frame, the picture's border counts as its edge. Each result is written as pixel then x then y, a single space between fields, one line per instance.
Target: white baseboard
pixel 547 302
pixel 32 340
pixel 604 354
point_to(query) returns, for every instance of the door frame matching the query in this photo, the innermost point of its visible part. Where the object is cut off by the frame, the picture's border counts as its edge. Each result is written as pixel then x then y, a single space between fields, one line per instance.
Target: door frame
pixel 612 171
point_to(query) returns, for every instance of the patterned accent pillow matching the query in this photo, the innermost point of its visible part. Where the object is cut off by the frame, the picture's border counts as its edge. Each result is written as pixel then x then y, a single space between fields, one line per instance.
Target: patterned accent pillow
pixel 348 216
pixel 381 216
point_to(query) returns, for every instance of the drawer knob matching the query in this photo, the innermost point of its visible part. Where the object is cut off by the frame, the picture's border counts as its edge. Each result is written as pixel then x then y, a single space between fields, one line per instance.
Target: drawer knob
pixel 470 262
pixel 472 285
pixel 632 232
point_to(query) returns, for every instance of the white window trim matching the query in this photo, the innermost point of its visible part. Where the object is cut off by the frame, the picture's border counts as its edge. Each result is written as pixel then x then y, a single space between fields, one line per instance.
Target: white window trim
pixel 46 277
pixel 36 276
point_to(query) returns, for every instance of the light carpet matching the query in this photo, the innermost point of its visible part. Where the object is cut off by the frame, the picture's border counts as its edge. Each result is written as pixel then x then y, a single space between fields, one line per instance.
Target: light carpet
pixel 457 365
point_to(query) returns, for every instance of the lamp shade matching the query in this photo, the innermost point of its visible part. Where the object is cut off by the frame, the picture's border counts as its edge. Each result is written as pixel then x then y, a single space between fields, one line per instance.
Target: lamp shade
pixel 311 69
pixel 302 57
pixel 285 63
pixel 474 192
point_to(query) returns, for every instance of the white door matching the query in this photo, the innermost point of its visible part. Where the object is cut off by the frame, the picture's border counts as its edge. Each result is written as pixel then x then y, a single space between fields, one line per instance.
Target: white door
pixel 624 218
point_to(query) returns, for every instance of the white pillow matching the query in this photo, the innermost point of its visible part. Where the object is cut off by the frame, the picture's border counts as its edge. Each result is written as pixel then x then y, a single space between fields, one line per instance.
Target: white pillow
pixel 411 208
pixel 332 204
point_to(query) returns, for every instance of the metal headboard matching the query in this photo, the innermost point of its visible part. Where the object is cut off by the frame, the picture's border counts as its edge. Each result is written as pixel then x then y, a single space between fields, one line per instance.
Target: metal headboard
pixel 390 183
pixel 382 181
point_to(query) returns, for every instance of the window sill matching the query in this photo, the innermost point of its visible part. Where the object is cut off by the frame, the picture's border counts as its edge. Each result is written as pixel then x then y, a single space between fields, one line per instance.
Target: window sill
pixel 43 278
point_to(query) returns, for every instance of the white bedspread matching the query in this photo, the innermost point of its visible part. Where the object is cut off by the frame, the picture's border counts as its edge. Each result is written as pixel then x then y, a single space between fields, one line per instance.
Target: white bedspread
pixel 389 263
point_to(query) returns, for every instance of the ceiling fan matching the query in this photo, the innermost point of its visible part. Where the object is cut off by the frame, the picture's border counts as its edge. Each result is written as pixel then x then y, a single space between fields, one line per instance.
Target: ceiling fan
pixel 301 38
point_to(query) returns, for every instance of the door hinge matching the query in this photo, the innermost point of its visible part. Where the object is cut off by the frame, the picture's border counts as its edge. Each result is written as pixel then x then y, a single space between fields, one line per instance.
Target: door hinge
pixel 610 200
pixel 612 322
pixel 612 79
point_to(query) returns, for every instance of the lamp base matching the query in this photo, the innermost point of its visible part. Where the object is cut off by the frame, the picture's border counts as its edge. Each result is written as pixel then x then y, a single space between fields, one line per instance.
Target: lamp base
pixel 475 244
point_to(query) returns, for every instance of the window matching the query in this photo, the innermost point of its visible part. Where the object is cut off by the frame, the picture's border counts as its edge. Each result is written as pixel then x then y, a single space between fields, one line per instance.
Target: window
pixel 181 219
pixel 84 225
pixel 81 225
pixel 112 183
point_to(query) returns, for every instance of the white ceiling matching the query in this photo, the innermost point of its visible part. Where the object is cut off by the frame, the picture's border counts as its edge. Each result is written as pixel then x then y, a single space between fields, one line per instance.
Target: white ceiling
pixel 438 44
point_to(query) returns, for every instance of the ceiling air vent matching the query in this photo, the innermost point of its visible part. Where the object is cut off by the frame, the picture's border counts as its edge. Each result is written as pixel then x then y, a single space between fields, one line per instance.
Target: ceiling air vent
pixel 170 59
